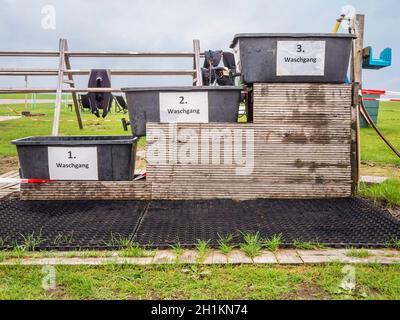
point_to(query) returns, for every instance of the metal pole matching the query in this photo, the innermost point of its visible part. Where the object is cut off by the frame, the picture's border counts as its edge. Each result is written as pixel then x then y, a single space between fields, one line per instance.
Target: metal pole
pixel 57 110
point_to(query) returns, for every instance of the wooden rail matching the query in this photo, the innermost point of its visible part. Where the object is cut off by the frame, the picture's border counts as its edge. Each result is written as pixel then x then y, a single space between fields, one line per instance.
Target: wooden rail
pixel 64 69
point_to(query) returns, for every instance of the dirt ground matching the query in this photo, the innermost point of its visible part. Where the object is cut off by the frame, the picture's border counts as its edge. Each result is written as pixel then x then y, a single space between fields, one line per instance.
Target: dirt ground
pixel 371 169
pixel 8 164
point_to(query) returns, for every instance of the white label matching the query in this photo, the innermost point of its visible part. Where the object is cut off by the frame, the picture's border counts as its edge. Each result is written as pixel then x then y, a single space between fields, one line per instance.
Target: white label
pixel 73 163
pixel 300 58
pixel 189 107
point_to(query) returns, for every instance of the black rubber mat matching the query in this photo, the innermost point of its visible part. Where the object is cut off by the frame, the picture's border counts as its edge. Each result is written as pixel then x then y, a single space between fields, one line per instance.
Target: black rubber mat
pixel 67 225
pixel 335 222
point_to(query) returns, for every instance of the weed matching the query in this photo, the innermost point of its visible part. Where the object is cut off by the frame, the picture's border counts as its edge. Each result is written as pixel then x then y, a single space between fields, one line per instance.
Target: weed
pixel 273 243
pixel 178 249
pixel 393 243
pixel 202 248
pixel 225 243
pixel 252 245
pixel 32 240
pixel 19 251
pixel 136 251
pixel 117 240
pixel 3 242
pixel 354 253
pixel 62 239
pixel 308 245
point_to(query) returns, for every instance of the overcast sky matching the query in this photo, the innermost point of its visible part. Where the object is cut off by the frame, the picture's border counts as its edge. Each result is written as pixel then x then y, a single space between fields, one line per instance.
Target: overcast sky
pixel 170 25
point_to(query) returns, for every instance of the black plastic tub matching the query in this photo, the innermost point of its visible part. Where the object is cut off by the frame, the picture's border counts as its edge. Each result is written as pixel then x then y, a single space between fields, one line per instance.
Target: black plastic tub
pixel 181 104
pixel 314 58
pixel 103 158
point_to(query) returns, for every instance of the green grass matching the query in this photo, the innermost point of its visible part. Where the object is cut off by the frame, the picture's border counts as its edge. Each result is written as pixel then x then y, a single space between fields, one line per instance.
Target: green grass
pixel 373 149
pixel 252 245
pixel 207 282
pixel 42 126
pixel 388 191
pixel 30 96
pixel 358 253
pixel 308 245
pixel 272 244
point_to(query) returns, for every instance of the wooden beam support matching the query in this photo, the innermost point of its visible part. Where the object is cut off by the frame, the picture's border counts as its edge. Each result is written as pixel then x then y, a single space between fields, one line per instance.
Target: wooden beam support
pixel 197 66
pixel 357 25
pixel 54 72
pixel 52 90
pixel 98 54
pixel 57 109
pixel 72 85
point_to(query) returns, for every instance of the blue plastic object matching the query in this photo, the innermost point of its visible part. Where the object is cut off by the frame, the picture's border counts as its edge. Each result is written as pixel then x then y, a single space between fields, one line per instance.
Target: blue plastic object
pixel 385 59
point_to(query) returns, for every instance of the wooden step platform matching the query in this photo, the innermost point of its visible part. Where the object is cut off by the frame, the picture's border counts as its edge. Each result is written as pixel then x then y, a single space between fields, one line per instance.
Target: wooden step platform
pixel 302 144
pixel 87 190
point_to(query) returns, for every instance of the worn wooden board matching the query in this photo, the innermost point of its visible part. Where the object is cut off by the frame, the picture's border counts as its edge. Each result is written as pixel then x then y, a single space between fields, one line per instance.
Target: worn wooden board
pixel 7 190
pixel 86 190
pixel 300 147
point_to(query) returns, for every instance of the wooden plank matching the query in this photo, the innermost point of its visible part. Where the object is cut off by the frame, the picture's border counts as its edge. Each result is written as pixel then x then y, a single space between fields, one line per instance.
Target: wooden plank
pixel 196 62
pixel 358 27
pixel 87 190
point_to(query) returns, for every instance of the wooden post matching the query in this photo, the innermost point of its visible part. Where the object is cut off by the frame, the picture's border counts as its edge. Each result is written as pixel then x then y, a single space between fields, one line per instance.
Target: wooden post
pixel 355 140
pixel 197 67
pixel 357 24
pixel 72 85
pixel 57 109
pixel 26 95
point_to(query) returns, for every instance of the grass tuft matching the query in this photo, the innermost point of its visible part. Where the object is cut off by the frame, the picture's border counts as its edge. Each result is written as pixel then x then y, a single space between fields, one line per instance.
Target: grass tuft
pixel 136 251
pixel 252 245
pixel 393 243
pixel 272 244
pixel 308 245
pixel 202 248
pixel 19 251
pixel 225 243
pixel 117 240
pixel 63 239
pixel 3 242
pixel 32 240
pixel 178 249
pixel 362 254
